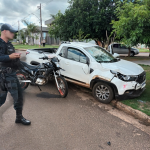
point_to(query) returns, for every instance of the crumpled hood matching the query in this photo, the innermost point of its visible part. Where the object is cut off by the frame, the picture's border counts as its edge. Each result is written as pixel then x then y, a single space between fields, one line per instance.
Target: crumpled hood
pixel 124 67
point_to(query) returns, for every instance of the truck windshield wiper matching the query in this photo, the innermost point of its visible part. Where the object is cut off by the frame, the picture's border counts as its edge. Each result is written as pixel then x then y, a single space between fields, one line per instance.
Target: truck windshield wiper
pixel 113 60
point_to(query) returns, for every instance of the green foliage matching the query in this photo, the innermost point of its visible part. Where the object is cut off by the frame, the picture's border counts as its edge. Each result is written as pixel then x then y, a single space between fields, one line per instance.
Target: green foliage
pixel 81 37
pixel 92 17
pixel 133 25
pixel 22 34
pixel 31 29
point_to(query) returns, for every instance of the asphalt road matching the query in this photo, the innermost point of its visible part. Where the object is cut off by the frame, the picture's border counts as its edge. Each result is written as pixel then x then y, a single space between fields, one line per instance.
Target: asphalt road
pixel 77 122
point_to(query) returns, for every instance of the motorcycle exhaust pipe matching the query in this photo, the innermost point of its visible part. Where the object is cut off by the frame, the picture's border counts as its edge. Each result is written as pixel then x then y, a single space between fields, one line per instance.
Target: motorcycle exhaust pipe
pixel 25 81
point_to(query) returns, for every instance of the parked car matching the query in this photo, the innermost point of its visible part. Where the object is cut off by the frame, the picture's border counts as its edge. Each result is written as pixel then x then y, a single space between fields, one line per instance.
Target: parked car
pixel 32 55
pixel 122 49
pixel 93 67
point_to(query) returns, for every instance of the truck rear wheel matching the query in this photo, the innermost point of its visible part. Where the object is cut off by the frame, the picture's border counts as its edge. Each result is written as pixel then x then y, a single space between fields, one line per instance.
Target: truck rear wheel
pixel 103 92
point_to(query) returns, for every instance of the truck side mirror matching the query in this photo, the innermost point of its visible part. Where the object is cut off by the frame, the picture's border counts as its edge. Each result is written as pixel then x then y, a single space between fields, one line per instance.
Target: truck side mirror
pixel 60 54
pixel 116 55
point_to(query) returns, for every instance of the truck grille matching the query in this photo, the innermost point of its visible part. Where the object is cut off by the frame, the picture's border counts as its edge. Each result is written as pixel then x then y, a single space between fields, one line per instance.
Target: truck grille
pixel 141 77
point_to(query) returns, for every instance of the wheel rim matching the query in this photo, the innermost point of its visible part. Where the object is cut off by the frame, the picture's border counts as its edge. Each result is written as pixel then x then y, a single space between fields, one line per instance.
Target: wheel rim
pixel 102 92
pixel 132 54
pixel 61 86
pixel 21 77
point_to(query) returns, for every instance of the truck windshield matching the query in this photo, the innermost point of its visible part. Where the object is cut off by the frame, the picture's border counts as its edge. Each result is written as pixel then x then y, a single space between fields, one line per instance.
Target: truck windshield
pixel 100 54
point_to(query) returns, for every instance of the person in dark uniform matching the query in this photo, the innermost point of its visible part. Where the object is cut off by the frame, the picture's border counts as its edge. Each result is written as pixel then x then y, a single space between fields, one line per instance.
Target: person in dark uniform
pixel 9 60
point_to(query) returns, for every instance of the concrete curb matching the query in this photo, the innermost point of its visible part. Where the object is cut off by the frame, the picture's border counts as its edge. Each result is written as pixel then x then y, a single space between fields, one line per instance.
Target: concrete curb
pixel 133 112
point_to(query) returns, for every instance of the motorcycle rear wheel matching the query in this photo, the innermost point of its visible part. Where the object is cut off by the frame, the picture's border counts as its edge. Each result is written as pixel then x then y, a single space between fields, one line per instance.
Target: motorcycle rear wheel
pixel 22 76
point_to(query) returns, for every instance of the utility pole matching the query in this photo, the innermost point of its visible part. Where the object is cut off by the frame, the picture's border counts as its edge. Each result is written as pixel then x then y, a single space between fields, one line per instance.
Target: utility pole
pixel 18 33
pixel 41 22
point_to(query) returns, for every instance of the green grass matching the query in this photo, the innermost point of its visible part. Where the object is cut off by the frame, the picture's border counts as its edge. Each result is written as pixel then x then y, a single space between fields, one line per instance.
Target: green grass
pixel 143 50
pixel 142 103
pixel 21 46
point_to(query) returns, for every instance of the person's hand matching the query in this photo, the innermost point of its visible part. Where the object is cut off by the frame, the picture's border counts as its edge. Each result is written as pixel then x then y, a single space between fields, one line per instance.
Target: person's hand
pixel 14 56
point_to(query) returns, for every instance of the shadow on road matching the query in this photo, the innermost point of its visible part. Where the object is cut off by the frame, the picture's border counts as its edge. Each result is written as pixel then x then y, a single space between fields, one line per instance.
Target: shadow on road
pixel 47 95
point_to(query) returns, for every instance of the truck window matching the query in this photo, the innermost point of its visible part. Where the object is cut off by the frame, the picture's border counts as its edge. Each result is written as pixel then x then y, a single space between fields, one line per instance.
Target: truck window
pixel 76 55
pixel 115 46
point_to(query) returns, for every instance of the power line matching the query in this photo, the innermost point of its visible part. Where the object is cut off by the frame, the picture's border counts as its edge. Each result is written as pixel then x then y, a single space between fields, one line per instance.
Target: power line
pixel 26 17
pixel 33 13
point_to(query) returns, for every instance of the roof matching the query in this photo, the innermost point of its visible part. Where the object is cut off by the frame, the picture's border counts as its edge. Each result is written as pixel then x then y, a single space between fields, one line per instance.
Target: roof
pixel 48 22
pixel 43 28
pixel 80 44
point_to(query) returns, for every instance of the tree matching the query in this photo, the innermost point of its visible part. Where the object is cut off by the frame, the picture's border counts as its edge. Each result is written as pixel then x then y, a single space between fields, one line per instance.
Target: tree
pixel 36 37
pixel 133 25
pixel 92 17
pixel 22 35
pixel 31 30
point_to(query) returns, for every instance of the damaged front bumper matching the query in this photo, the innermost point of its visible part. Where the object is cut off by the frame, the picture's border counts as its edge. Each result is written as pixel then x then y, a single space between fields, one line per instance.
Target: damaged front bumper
pixel 129 94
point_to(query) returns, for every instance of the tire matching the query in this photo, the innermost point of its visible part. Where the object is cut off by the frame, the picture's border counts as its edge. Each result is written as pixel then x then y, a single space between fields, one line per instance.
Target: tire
pixel 22 76
pixel 103 92
pixel 63 91
pixel 132 54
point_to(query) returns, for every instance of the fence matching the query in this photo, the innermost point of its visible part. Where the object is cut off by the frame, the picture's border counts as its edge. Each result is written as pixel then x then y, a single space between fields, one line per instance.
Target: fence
pixel 52 41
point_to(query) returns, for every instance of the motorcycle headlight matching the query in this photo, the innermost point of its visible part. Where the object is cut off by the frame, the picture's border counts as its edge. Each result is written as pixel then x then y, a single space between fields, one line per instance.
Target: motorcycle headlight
pixel 124 77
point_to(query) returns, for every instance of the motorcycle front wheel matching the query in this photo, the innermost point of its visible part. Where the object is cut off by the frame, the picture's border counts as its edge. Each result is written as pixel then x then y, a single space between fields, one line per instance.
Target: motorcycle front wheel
pixel 21 76
pixel 63 86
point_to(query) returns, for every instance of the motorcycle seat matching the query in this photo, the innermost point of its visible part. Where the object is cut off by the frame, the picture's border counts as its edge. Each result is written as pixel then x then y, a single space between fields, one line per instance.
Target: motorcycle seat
pixel 31 67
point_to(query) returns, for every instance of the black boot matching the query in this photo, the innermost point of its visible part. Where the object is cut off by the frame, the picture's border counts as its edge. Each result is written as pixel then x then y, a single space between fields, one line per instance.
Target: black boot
pixel 20 118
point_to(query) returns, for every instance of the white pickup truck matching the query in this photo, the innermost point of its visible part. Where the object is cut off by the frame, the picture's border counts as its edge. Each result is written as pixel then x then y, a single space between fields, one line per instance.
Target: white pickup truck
pixel 93 67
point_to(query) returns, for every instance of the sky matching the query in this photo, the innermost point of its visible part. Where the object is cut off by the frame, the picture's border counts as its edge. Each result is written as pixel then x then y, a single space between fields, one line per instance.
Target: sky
pixel 12 11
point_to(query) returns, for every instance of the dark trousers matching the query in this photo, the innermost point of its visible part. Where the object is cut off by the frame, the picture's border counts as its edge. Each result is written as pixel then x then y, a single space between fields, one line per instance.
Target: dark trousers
pixel 43 44
pixel 16 91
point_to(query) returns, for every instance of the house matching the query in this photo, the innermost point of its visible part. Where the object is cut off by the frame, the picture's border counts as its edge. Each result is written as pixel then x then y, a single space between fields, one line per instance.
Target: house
pixel 29 40
pixel 49 22
pixel 51 40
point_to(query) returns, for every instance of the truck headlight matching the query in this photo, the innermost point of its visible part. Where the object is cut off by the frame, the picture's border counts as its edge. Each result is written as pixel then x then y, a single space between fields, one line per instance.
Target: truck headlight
pixel 124 77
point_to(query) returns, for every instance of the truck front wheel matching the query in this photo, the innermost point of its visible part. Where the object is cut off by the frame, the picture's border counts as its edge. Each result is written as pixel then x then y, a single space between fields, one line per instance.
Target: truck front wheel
pixel 103 92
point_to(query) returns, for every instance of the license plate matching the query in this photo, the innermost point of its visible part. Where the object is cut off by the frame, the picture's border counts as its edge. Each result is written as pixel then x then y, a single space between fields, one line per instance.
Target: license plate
pixel 143 84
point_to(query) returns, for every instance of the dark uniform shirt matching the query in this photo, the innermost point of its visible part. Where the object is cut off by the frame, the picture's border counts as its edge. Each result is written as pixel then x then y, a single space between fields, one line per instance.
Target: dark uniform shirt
pixel 5 50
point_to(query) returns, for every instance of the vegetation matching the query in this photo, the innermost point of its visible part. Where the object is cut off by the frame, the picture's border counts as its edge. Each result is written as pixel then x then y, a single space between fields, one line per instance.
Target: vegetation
pixel 142 103
pixel 32 30
pixel 133 24
pixel 21 46
pixel 93 18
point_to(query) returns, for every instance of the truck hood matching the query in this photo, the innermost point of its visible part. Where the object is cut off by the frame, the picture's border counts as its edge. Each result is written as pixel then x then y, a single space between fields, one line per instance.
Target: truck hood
pixel 124 67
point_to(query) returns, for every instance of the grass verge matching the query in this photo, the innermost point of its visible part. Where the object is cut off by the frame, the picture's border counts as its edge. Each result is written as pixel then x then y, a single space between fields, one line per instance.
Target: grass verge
pixel 21 46
pixel 136 58
pixel 142 103
pixel 143 50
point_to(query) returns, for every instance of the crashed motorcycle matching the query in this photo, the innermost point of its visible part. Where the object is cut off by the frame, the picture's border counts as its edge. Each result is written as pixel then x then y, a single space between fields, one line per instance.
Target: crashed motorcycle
pixel 40 74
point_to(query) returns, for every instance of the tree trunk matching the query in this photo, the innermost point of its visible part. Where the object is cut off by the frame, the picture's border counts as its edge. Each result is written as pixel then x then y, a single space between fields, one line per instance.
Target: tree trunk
pixel 129 51
pixel 98 42
pixel 149 51
pixel 112 49
pixel 103 44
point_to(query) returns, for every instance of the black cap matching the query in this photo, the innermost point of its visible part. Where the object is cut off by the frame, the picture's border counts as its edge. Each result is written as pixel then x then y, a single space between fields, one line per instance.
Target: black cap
pixel 8 27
